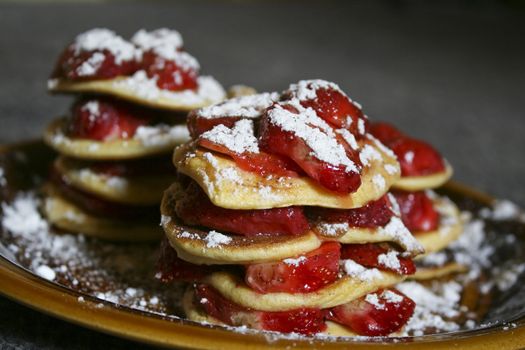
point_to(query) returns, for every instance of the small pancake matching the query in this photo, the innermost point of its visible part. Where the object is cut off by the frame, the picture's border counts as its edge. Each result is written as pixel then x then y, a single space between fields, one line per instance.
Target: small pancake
pixel 136 147
pixel 68 217
pixel 433 272
pixel 395 231
pixel 192 245
pixel 419 183
pixel 450 227
pixel 342 291
pixel 141 90
pixel 230 187
pixel 137 190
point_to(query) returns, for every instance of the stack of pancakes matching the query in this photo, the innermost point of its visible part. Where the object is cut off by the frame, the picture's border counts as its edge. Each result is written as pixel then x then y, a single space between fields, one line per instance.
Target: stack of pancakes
pixel 232 224
pixel 114 146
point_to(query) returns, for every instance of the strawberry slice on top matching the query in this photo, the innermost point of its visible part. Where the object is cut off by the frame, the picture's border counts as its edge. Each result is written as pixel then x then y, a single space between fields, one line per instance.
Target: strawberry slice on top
pixel 104 119
pixel 97 54
pixel 290 130
pixel 376 314
pixel 304 274
pixel 331 104
pixel 417 211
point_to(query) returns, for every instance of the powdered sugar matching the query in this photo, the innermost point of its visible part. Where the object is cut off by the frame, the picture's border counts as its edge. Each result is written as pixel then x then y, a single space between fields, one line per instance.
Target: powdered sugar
pixel 369 154
pixel 379 182
pixel 401 235
pixel 245 106
pixel 216 239
pixel 333 229
pixel 157 38
pixel 390 260
pixel 160 135
pixel 360 272
pixel 46 272
pixel 105 39
pixel 91 65
pixel 295 262
pixel 239 139
pixel 22 216
pixel 306 89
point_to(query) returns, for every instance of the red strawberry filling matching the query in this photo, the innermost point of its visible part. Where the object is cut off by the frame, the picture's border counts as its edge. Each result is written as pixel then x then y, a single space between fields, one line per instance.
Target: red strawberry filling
pixel 91 65
pixel 98 206
pixel 195 208
pixel 378 256
pixel 171 268
pixel 304 274
pixel 337 109
pixel 376 314
pixel 273 139
pixel 417 211
pixel 198 125
pixel 104 119
pixel 416 157
pixel 262 163
pixel 375 214
pixel 171 74
pixel 304 321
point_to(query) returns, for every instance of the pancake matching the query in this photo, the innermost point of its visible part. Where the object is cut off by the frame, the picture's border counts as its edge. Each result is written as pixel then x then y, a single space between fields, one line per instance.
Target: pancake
pixel 151 141
pixel 450 227
pixel 227 186
pixel 419 183
pixel 68 217
pixel 344 290
pixel 141 90
pixel 137 190
pixel 433 272
pixel 240 90
pixel 193 245
pixel 335 329
pixel 395 231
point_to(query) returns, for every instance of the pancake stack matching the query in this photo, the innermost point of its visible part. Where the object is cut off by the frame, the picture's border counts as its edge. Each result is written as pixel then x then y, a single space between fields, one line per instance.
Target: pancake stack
pixel 131 100
pixel 281 217
pixel 434 220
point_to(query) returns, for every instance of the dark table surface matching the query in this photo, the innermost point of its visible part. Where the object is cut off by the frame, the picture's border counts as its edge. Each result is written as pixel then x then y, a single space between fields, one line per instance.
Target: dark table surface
pixel 452 73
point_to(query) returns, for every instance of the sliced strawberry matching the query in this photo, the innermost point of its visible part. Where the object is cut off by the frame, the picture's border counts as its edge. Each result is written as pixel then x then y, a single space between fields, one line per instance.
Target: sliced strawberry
pixel 375 214
pixel 170 75
pixel 275 140
pixel 377 314
pixel 91 65
pixel 262 163
pixel 385 132
pixel 171 268
pixel 198 125
pixel 304 320
pixel 195 208
pixel 304 274
pixel 417 158
pixel 417 211
pixel 104 119
pixel 337 109
pixel 369 254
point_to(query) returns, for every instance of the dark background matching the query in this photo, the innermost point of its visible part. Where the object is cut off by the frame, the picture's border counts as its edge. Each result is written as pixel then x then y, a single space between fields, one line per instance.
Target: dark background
pixel 450 72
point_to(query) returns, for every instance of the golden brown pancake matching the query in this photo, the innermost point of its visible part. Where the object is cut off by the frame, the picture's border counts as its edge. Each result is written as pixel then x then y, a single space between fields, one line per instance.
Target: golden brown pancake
pixel 433 272
pixel 450 227
pixel 342 291
pixel 419 183
pixel 337 330
pixel 67 216
pixel 227 186
pixel 119 149
pixel 137 190
pixel 140 90
pixel 192 244
pixel 395 231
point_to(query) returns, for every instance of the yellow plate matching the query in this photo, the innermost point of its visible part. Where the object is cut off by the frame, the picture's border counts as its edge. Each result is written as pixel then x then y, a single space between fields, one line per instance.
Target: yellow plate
pixel 31 290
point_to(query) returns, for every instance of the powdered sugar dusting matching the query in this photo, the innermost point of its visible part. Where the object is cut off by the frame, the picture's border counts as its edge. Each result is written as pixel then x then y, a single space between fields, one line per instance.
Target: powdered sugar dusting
pixel 245 106
pixel 161 135
pixel 360 272
pixel 239 139
pixel 401 235
pixel 295 261
pixel 216 239
pixel 105 39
